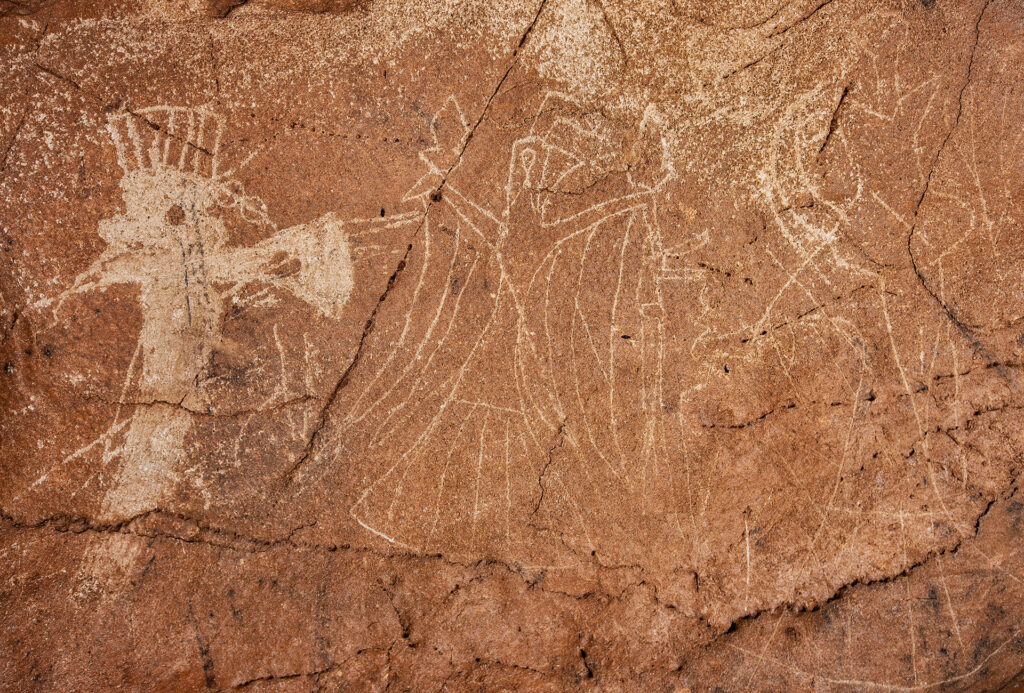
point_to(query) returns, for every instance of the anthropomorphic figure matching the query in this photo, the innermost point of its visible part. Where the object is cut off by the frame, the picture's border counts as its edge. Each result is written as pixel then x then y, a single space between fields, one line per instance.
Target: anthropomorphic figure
pixel 545 334
pixel 172 243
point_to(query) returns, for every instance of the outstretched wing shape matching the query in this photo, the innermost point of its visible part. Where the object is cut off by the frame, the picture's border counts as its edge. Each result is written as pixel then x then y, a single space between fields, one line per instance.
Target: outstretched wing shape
pixel 433 432
pixel 471 423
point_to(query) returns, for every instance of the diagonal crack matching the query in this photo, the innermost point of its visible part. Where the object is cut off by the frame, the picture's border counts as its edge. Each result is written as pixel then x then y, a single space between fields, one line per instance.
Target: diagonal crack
pixel 56 75
pixel 819 6
pixel 315 436
pixel 487 106
pixel 184 141
pixel 842 590
pixel 950 312
pixel 834 122
pixel 435 196
pixel 223 9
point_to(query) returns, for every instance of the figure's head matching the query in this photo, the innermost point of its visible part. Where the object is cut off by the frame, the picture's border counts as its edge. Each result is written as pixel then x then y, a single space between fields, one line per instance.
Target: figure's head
pixel 156 202
pixel 171 181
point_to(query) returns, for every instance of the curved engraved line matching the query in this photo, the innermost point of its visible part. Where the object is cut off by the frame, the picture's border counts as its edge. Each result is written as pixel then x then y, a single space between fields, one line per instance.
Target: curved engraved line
pixel 611 350
pixel 479 469
pixel 576 375
pixel 424 436
pixel 444 474
pixel 401 339
pixel 397 409
pixel 410 363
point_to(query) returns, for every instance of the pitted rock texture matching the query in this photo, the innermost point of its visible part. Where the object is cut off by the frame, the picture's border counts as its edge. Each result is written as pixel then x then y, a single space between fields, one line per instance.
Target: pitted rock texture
pixel 518 344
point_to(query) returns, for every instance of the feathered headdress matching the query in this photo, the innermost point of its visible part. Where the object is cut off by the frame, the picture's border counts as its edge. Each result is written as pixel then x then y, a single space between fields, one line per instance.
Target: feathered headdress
pixel 167 137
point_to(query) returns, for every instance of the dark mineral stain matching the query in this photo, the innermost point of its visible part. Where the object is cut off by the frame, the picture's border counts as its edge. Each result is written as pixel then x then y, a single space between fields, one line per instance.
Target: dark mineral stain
pixel 175 215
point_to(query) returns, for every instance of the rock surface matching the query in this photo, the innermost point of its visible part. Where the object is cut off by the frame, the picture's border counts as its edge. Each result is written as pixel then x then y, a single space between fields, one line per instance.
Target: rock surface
pixel 518 344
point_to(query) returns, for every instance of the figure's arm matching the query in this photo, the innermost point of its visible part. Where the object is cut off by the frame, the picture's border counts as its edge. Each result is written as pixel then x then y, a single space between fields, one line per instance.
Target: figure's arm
pixel 237 265
pixel 599 213
pixel 108 269
pixel 476 217
pixel 303 259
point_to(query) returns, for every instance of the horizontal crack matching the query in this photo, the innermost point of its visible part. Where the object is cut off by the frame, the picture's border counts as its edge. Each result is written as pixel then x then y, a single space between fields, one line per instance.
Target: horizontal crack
pixel 267 408
pixel 285 677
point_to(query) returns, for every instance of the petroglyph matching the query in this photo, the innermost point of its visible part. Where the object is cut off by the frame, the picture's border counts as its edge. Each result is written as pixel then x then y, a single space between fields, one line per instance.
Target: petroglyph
pixel 172 243
pixel 515 344
pixel 489 272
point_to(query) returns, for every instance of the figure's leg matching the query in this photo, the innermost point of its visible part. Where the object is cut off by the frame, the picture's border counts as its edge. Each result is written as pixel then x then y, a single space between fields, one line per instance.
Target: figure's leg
pixel 151 458
pixel 151 461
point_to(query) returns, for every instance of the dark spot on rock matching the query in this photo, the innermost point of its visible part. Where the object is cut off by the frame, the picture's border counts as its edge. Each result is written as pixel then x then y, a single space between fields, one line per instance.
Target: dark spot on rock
pixel 288 268
pixel 435 196
pixel 8 367
pixel 1013 508
pixel 928 3
pixel 47 351
pixel 175 215
pixel 583 656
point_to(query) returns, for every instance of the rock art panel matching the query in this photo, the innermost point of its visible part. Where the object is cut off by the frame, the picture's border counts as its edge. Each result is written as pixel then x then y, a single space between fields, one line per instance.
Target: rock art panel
pixel 171 243
pixel 511 345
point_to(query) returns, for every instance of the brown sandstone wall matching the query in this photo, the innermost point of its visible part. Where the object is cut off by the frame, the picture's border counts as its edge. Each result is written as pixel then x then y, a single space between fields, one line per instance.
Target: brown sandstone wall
pixel 516 344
